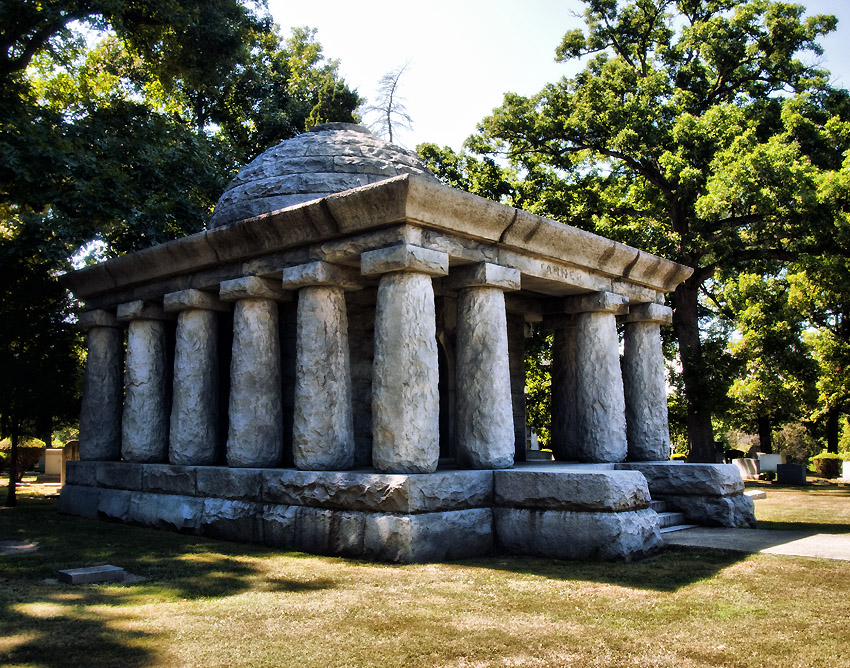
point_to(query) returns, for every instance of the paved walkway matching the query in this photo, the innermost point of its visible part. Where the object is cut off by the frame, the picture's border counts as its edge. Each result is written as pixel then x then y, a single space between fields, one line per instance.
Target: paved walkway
pixel 794 543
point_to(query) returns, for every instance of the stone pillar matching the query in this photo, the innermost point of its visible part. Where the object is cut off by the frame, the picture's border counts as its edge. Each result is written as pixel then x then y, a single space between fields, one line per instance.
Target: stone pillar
pixel 565 446
pixel 600 410
pixel 645 383
pixel 193 437
pixel 255 432
pixel 405 398
pixel 144 427
pixel 100 414
pixel 484 431
pixel 323 426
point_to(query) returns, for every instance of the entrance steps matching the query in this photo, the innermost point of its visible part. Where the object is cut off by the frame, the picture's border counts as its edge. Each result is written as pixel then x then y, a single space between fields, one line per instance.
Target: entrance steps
pixel 669 520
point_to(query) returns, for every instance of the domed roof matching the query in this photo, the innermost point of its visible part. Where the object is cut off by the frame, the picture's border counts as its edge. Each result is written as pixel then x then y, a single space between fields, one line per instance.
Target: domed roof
pixel 328 159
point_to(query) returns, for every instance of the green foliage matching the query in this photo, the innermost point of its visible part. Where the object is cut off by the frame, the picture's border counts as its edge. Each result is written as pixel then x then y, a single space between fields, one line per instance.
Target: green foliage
pixel 768 475
pixel 538 383
pixel 828 455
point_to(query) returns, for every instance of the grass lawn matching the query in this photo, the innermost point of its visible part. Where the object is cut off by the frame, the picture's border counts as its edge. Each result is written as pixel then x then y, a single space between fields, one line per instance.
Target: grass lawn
pixel 211 603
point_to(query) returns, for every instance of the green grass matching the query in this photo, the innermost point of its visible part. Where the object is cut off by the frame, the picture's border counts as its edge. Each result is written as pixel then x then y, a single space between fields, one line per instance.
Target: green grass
pixel 211 603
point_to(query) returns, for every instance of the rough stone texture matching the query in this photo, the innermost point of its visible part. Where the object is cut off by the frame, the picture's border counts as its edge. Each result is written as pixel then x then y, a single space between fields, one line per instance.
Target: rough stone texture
pixel 649 312
pixel 597 302
pixel 80 473
pixel 566 534
pixel 79 500
pixel 232 519
pixel 194 409
pixel 140 310
pixel 122 475
pixel 330 158
pixel 192 299
pixel 604 491
pixel 144 425
pixel 96 318
pixel 666 478
pixel 565 446
pixel 320 273
pixel 114 504
pixel 645 388
pixel 278 525
pixel 405 401
pixel 404 257
pixel 600 408
pixel 483 274
pixel 230 483
pixel 255 433
pixel 323 429
pixel 100 413
pixel 249 287
pixel 168 479
pixel 737 511
pixel 166 511
pixel 484 431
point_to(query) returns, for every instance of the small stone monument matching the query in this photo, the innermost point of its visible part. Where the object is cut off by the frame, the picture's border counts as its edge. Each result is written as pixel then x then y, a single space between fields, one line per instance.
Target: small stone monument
pixel 336 366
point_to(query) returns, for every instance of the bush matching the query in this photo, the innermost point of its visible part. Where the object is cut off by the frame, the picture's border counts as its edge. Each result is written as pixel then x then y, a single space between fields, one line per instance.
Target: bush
pixel 735 454
pixel 29 452
pixel 767 475
pixel 678 456
pixel 828 464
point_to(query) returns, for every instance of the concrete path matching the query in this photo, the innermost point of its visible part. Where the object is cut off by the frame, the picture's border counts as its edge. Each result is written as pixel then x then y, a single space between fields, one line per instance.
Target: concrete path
pixel 794 543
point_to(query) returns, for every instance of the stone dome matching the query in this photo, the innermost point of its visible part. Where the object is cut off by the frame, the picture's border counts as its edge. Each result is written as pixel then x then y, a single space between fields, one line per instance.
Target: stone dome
pixel 328 159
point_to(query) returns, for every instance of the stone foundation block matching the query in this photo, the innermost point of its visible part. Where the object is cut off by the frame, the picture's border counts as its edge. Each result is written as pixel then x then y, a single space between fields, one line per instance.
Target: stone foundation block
pixel 119 475
pixel 167 511
pixel 737 511
pixel 320 531
pixel 241 521
pixel 666 478
pixel 114 504
pixel 566 534
pixel 81 473
pixel 230 483
pixel 79 500
pixel 278 525
pixel 168 479
pixel 604 491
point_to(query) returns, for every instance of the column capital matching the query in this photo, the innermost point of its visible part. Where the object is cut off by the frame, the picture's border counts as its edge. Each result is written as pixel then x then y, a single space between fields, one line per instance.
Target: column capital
pixel 192 299
pixel 97 318
pixel 483 275
pixel 253 287
pixel 141 310
pixel 649 312
pixel 597 302
pixel 321 273
pixel 404 257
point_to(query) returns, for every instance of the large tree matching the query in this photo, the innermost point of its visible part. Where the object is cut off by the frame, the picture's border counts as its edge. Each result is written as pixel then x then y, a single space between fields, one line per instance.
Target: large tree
pixel 694 130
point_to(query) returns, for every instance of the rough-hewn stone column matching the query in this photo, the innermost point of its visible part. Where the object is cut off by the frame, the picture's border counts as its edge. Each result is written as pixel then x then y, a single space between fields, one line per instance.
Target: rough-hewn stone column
pixel 255 432
pixel 100 414
pixel 323 426
pixel 144 425
pixel 484 433
pixel 645 383
pixel 565 447
pixel 405 398
pixel 193 437
pixel 600 427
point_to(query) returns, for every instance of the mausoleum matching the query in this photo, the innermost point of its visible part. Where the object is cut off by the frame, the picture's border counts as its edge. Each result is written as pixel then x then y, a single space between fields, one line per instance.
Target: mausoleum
pixel 336 365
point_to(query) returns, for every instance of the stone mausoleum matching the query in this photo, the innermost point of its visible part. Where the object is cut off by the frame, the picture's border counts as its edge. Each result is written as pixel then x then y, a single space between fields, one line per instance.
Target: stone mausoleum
pixel 336 366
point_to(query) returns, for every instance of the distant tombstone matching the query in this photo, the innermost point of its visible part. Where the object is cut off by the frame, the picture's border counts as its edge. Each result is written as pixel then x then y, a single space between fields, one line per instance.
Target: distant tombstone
pixel 791 474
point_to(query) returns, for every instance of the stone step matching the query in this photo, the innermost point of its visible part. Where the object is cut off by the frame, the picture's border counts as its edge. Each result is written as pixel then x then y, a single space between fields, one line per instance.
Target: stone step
pixel 658 506
pixel 669 519
pixel 677 527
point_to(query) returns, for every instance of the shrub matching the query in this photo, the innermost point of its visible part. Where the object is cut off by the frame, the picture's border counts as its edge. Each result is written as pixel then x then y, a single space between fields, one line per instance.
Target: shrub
pixel 828 464
pixel 29 452
pixel 678 456
pixel 768 475
pixel 735 454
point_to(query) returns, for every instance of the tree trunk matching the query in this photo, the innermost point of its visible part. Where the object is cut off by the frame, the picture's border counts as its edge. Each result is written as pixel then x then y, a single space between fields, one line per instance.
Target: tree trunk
pixel 686 325
pixel 832 429
pixel 11 499
pixel 765 434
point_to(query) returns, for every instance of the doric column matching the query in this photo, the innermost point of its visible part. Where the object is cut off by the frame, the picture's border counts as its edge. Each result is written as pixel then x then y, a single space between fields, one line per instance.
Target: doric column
pixel 600 410
pixel 645 383
pixel 193 437
pixel 565 446
pixel 255 432
pixel 405 398
pixel 323 426
pixel 484 433
pixel 100 414
pixel 144 426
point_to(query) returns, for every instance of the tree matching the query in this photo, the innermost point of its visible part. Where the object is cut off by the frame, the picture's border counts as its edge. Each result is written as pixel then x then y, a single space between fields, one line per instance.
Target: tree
pixel 693 131
pixel 389 107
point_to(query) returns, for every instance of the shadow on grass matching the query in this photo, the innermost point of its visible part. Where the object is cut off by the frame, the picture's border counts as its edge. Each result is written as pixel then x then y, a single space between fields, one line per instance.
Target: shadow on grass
pixel 58 626
pixel 807 527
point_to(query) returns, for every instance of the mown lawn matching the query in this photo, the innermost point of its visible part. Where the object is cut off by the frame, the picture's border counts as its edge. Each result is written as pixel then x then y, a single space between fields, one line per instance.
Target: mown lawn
pixel 211 603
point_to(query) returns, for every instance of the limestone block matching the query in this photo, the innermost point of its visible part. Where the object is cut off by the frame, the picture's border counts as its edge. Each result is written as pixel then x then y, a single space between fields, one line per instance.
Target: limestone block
pixel 166 511
pixel 79 500
pixel 278 525
pixel 100 413
pixel 595 490
pixel 97 318
pixel 392 493
pixel 428 537
pixel 140 310
pixel 193 435
pixel 192 299
pixel 167 479
pixel 565 446
pixel 252 287
pixel 597 302
pixel 566 534
pixel 81 473
pixel 649 312
pixel 114 504
pixel 230 483
pixel 405 400
pixel 320 273
pixel 323 427
pixel 233 520
pixel 404 257
pixel 483 274
pixel 320 531
pixel 119 475
pixel 484 429
pixel 666 478
pixel 737 510
pixel 645 389
pixel 600 408
pixel 144 424
pixel 255 433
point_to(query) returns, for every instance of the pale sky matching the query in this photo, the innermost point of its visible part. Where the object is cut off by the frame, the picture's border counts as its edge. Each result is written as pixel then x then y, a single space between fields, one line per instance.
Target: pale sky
pixel 465 55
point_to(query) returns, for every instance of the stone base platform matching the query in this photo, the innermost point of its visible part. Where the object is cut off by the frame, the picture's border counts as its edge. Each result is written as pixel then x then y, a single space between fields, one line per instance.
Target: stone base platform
pixel 547 509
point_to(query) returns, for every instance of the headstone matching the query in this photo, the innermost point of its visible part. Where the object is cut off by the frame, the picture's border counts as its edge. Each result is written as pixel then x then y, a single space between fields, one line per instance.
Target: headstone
pixel 92 575
pixel 791 474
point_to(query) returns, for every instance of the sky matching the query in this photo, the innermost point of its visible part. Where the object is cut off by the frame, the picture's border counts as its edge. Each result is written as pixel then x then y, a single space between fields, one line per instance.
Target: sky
pixel 464 55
